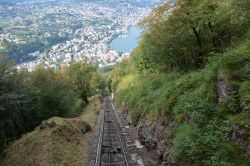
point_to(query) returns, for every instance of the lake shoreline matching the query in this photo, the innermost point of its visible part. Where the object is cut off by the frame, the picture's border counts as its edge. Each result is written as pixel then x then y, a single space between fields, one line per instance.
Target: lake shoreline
pixel 130 39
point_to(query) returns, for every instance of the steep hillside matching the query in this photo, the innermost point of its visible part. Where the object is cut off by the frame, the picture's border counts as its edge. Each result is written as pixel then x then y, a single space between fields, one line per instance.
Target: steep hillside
pixel 187 83
pixel 209 109
pixel 28 98
pixel 57 141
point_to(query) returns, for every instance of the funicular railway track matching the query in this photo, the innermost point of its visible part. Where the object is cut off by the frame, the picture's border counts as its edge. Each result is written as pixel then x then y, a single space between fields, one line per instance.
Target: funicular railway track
pixel 112 150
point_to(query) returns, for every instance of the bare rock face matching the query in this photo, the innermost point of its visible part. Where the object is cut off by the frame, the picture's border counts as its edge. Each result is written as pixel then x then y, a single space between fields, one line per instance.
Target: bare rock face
pixel 239 134
pixel 155 137
pixel 240 137
pixel 168 158
pixel 146 135
pixel 221 87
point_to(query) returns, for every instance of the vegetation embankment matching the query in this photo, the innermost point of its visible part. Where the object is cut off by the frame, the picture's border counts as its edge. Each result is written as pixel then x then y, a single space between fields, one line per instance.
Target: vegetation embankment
pixel 57 141
pixel 28 98
pixel 193 64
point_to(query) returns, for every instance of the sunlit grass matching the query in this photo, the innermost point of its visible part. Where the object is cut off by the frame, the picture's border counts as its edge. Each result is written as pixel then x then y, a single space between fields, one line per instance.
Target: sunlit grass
pixel 62 144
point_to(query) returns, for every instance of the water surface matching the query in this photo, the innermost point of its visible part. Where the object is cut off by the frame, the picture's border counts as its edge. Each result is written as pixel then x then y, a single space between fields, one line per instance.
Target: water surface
pixel 127 43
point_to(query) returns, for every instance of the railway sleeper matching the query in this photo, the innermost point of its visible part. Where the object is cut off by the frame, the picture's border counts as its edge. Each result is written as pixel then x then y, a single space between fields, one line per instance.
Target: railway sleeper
pixel 114 150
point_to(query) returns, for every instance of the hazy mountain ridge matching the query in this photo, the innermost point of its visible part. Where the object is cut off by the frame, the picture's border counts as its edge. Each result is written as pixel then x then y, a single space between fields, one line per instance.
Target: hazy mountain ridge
pixel 12 1
pixel 133 1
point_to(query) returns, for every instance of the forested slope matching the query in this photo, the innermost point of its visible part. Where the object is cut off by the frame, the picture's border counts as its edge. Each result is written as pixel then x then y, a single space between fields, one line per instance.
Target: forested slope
pixel 193 66
pixel 28 98
pixel 57 141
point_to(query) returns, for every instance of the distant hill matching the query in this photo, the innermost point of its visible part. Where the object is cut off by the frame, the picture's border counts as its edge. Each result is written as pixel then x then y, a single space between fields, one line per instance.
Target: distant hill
pixel 15 1
pixel 11 1
pixel 135 2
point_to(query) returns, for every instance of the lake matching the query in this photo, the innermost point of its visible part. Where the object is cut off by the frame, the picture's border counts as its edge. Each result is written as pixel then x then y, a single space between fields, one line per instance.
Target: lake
pixel 126 43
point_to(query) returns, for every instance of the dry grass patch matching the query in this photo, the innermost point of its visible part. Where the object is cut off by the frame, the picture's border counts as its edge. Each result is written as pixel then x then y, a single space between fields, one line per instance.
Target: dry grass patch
pixel 57 141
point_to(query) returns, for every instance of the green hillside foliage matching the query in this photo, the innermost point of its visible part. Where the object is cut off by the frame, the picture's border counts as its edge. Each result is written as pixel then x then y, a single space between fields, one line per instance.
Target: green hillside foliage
pixel 204 126
pixel 188 55
pixel 28 98
pixel 181 37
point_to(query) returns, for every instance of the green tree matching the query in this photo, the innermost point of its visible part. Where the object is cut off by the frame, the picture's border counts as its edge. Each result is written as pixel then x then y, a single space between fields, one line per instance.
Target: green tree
pixel 28 98
pixel 13 103
pixel 52 94
pixel 81 74
pixel 183 35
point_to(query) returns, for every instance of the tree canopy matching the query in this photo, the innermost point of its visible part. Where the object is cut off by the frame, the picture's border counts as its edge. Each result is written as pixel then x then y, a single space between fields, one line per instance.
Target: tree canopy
pixel 181 35
pixel 28 98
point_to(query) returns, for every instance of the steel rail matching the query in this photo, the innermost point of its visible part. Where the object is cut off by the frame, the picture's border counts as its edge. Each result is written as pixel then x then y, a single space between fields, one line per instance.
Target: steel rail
pixel 120 138
pixel 100 140
pixel 110 139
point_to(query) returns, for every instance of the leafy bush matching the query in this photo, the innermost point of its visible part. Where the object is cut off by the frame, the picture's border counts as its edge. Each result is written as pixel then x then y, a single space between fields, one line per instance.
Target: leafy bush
pixel 204 146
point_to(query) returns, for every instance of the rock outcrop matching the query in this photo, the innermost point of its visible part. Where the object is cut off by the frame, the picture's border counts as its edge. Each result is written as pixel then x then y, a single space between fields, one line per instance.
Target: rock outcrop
pixel 156 137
